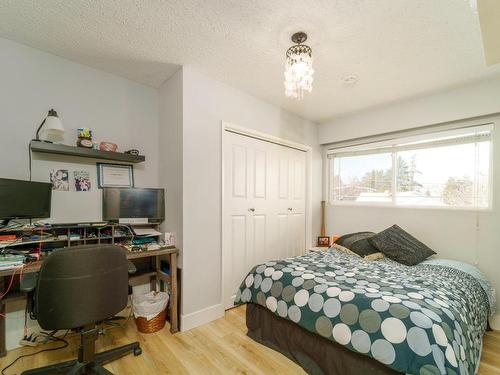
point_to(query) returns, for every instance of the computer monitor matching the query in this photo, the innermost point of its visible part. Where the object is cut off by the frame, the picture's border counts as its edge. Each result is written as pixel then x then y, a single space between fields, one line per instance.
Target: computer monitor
pixel 24 199
pixel 133 203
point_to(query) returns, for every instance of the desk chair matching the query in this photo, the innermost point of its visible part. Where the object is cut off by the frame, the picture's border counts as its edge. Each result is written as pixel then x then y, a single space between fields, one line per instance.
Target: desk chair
pixel 77 288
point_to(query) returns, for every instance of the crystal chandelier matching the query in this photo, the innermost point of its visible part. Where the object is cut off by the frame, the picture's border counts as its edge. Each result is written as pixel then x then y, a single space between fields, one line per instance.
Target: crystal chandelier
pixel 298 68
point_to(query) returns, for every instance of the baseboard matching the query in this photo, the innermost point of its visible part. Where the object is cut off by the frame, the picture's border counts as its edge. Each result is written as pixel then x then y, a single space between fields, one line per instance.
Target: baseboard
pixel 495 322
pixel 200 317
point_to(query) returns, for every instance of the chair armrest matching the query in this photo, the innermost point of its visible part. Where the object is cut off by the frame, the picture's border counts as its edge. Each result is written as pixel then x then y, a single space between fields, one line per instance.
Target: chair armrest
pixel 131 268
pixel 28 283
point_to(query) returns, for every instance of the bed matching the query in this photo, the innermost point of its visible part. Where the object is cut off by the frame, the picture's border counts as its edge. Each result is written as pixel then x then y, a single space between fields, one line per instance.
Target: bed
pixel 334 313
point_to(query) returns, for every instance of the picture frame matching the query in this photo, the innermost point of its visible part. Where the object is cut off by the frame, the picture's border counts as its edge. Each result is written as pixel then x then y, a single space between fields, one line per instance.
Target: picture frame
pixel 324 241
pixel 115 175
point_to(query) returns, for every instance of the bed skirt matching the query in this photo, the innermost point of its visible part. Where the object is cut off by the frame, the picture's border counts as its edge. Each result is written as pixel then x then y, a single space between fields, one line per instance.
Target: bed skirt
pixel 315 354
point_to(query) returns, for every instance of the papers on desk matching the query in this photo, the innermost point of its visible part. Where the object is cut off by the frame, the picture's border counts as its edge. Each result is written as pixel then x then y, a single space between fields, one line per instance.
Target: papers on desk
pixel 146 232
pixel 10 261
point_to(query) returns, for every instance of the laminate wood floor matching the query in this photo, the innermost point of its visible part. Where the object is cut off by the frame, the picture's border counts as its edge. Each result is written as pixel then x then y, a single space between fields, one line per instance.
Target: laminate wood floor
pixel 220 347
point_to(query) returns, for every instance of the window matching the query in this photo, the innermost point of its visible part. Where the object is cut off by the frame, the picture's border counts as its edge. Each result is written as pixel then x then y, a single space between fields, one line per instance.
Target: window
pixel 445 169
pixel 362 178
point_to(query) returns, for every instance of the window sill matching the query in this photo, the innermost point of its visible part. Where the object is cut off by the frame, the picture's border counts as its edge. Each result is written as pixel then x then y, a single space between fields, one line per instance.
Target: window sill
pixel 411 207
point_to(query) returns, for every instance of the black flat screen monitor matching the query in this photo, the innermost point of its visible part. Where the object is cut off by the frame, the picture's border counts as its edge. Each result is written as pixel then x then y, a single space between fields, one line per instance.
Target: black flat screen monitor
pixel 133 203
pixel 24 199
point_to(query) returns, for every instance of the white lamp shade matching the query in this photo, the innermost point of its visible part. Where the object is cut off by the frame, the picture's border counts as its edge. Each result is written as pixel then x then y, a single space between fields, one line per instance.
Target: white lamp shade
pixel 52 130
pixel 52 135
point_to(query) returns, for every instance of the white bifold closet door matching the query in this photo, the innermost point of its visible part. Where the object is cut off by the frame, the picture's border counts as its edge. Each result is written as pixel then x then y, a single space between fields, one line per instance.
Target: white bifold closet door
pixel 264 206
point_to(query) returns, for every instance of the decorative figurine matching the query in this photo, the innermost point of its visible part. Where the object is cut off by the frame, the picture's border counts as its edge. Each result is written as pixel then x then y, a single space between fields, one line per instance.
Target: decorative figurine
pixel 84 138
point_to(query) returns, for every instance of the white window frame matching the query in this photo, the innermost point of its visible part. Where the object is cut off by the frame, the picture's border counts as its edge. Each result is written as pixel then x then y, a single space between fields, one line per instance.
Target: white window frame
pixel 398 144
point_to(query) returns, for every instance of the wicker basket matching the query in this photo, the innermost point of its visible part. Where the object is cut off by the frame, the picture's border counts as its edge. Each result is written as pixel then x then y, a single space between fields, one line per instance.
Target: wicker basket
pixel 152 325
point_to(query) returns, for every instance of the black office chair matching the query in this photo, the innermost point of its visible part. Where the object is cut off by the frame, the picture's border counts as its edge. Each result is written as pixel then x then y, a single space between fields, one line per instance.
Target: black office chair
pixel 77 288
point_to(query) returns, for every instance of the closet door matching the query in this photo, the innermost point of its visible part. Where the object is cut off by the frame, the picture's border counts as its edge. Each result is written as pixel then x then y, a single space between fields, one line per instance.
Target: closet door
pixel 247 218
pixel 235 218
pixel 283 197
pixel 291 202
pixel 261 215
pixel 297 202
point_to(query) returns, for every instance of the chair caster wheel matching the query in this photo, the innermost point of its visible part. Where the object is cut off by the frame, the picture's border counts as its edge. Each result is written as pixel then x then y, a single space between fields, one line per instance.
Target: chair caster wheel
pixel 137 351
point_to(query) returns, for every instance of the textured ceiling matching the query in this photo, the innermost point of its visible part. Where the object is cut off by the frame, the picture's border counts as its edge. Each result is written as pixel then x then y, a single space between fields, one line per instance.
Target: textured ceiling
pixel 397 48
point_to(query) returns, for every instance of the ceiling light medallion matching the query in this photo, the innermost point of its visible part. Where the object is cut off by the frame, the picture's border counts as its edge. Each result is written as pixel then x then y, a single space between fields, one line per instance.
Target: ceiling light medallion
pixel 350 79
pixel 298 68
pixel 473 5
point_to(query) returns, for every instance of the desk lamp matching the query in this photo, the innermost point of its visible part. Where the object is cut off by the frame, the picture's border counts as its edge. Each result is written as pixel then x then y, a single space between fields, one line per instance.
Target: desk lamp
pixel 53 130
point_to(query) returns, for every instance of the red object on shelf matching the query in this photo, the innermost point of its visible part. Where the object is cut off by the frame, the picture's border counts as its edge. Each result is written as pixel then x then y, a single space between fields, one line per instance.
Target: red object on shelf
pixel 7 237
pixel 108 146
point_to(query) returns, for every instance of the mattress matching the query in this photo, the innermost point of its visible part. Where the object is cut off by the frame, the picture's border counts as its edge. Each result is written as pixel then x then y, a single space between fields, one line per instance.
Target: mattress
pixel 424 319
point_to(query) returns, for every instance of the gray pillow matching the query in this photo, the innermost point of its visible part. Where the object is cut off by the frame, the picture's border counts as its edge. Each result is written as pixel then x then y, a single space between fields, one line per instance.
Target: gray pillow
pixel 401 246
pixel 358 243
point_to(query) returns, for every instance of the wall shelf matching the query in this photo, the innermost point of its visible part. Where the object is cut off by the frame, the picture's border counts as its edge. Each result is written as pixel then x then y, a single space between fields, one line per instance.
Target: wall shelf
pixel 53 148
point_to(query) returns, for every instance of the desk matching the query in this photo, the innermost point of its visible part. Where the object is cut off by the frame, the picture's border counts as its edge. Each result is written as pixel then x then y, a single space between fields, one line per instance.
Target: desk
pixel 156 275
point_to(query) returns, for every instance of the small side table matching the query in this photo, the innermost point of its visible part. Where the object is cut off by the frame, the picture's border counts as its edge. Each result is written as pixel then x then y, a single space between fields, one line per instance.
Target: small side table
pixel 317 249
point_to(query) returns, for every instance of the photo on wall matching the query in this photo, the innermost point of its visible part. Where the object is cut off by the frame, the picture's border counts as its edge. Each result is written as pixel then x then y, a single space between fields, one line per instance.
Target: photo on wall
pixel 59 179
pixel 82 180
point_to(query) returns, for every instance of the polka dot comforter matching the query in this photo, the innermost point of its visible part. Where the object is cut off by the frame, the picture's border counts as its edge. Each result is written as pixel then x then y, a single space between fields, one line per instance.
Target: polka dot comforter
pixel 426 319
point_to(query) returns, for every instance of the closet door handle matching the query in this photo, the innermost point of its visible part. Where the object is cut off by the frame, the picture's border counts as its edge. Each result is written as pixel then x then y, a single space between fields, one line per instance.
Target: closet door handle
pixel 251 209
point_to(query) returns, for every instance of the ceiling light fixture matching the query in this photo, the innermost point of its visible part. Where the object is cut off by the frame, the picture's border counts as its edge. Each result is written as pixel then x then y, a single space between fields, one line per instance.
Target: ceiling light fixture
pixel 298 68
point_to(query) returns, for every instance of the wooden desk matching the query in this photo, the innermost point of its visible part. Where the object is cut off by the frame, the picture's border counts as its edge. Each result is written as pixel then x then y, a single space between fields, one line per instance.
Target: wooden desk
pixel 156 275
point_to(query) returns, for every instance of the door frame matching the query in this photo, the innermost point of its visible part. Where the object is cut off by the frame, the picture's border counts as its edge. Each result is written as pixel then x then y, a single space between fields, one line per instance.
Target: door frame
pixel 232 128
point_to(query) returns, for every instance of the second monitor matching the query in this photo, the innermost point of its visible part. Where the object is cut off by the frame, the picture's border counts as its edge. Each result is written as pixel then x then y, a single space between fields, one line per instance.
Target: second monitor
pixel 133 205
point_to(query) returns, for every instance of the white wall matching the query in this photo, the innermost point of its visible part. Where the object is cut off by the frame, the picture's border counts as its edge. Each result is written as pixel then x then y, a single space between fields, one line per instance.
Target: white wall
pixel 118 110
pixel 205 104
pixel 177 128
pixel 469 101
pixel 452 234
pixel 170 141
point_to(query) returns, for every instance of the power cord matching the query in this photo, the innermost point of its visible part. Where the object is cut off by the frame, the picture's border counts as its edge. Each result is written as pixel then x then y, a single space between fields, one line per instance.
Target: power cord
pixel 132 234
pixel 4 293
pixel 127 318
pixel 51 337
pixel 5 248
pixel 29 160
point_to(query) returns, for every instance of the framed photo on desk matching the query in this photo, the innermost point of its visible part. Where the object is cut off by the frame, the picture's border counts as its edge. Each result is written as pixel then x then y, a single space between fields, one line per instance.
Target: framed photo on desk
pixel 115 175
